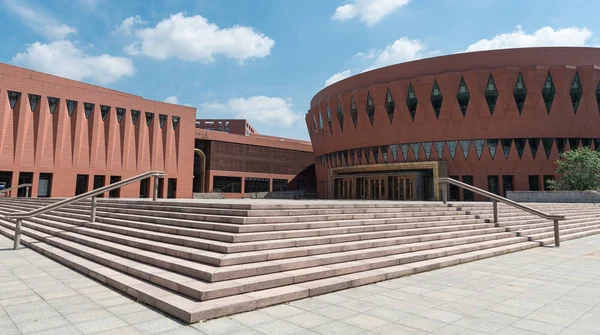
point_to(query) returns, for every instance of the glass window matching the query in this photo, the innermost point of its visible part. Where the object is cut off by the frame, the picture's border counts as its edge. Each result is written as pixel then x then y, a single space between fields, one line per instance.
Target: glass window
pixel 345 154
pixel 493 184
pixel 520 145
pixel 81 184
pixel 534 144
pixel 586 142
pixel 253 185
pixel 329 120
pixel 116 193
pixel 145 188
pixel 507 184
pixel 520 93
pixel 427 149
pixel 321 121
pixel 394 149
pixel 465 146
pixel 353 111
pixel 547 143
pixel 454 190
pixel 34 99
pixel 71 106
pixel 573 143
pixel 227 184
pixel 280 185
pixel 384 152
pixel 99 182
pixel 492 145
pixel 561 143
pixel 226 130
pixel 462 96
pixel 175 121
pixel 104 111
pixel 411 102
pixel 358 153
pixel 120 114
pixel 436 99
pixel 390 105
pixel 370 108
pixel 52 103
pixel 506 144
pixel 439 147
pixel 575 92
pixel 534 183
pixel 219 129
pixel 367 152
pixel 452 147
pixel 548 92
pixel 404 149
pixel 546 180
pixel 468 195
pixel 162 119
pixel 340 115
pixel 478 144
pixel 149 118
pixel 88 109
pixel 491 94
pixel 415 149
pixel 13 98
pixel 135 115
pixel 172 188
pixel 598 95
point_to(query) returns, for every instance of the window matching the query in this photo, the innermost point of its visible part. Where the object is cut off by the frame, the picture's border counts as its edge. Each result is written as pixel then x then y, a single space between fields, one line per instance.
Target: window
pixel 280 185
pixel 358 155
pixel 227 123
pixel 104 111
pixel 120 114
pixel 25 178
pixel 560 144
pixel 172 188
pixel 452 147
pixel 520 93
pixel 384 152
pixel 411 102
pixel 534 183
pixel 462 96
pixel 135 115
pixel 34 99
pixel 439 147
pixel 375 151
pixel 547 143
pixel 162 119
pixel 506 144
pixel 81 184
pixel 52 103
pixel 491 94
pixel 575 92
pixel 454 190
pixel 220 129
pixel 534 144
pixel 99 182
pixel 468 195
pixel 507 184
pixel 210 128
pixel 598 95
pixel 160 188
pixel 354 111
pixel 492 145
pixel 436 99
pixel 493 184
pixel 394 149
pixel 226 130
pixel 252 185
pixel 478 144
pixel 427 149
pixel 13 98
pixel 370 108
pixel 367 153
pixel 546 180
pixel 574 143
pixel 389 104
pixel 345 154
pixel 520 145
pixel 149 118
pixel 314 121
pixel 71 106
pixel 465 146
pixel 548 92
pixel 586 142
pixel 88 108
pixel 340 115
pixel 329 120
pixel 44 185
pixel 321 121
pixel 227 184
pixel 415 148
pixel 145 188
pixel 116 193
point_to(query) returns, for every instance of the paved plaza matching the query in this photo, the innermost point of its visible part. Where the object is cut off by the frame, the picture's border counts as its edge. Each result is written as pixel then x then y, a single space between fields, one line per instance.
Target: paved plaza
pixel 538 291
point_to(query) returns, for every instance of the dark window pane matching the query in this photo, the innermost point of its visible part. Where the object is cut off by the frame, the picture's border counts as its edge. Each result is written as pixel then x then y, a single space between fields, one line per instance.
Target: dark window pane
pixel 506 144
pixel 534 144
pixel 548 92
pixel 427 149
pixel 468 195
pixel 534 183
pixel 520 93
pixel 404 149
pixel 411 102
pixel 329 120
pixel 340 115
pixel 394 149
pixel 574 143
pixel 507 184
pixel 71 106
pixel 454 190
pixel 390 105
pixel 353 112
pixel 149 118
pixel 52 103
pixel 34 99
pixel 493 184
pixel 134 116
pixel 120 114
pixel 491 94
pixel 13 98
pixel 492 145
pixel 104 111
pixel 436 98
pixel 463 96
pixel 548 142
pixel 415 149
pixel 280 185
pixel 520 144
pixel 561 144
pixel 253 185
pixel 99 182
pixel 370 108
pixel 452 147
pixel 227 184
pixel 162 119
pixel 88 109
pixel 575 92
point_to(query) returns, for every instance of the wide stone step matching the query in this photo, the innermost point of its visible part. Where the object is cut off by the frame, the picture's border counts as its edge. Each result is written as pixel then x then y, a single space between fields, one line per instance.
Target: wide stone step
pixel 550 234
pixel 550 226
pixel 567 237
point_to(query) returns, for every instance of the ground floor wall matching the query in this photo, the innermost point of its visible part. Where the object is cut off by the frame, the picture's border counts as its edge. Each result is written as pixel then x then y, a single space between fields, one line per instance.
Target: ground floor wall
pixel 236 184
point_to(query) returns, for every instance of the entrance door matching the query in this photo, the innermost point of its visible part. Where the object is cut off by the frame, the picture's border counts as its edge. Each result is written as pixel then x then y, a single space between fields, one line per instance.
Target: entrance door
pixel 343 188
pixel 44 185
pixel 401 188
pixel 24 178
pixel 373 188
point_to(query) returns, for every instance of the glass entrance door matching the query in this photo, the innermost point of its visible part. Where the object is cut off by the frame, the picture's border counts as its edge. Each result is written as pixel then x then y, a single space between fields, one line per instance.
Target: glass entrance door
pixel 401 188
pixel 372 188
pixel 343 188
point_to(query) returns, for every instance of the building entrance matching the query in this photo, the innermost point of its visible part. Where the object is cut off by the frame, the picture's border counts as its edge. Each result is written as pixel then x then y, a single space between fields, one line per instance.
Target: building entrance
pixel 401 188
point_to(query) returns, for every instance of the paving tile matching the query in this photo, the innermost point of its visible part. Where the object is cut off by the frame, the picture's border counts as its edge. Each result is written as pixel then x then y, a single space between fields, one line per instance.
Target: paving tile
pixel 186 331
pixel 95 326
pixel 456 330
pixel 220 326
pixel 366 322
pixel 501 318
pixel 536 326
pixel 335 312
pixel 479 325
pixel 441 315
pixel 422 323
pixel 38 325
pixel 396 329
pixel 337 327
pixel 278 327
pixel 141 316
pixel 308 320
pixel 251 319
pixel 67 330
pixel 126 308
pixel 387 313
pixel 129 330
pixel 157 326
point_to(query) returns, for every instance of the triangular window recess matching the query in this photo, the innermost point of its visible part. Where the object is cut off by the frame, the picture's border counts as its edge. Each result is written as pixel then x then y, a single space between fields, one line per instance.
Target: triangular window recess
pixel 598 96
pixel 415 149
pixel 149 118
pixel 88 108
pixel 548 92
pixel 104 111
pixel 436 99
pixel 452 147
pixel 120 114
pixel 548 142
pixel 390 105
pixel 478 144
pixel 492 145
pixel 427 149
pixel 384 152
pixel 534 144
pixel 52 103
pixel 340 115
pixel 574 143
pixel 162 119
pixel 71 106
pixel 345 153
pixel 175 121
pixel 394 149
pixel 404 149
pixel 375 151
pixel 575 92
pixel 367 152
pixel 491 94
pixel 439 147
pixel 351 153
pixel 353 112
pixel 329 120
pixel 358 154
pixel 586 142
pixel 34 99
pixel 13 98
pixel 411 102
pixel 135 114
pixel 561 143
pixel 463 96
pixel 465 145
pixel 520 144
pixel 520 93
pixel 370 108
pixel 506 144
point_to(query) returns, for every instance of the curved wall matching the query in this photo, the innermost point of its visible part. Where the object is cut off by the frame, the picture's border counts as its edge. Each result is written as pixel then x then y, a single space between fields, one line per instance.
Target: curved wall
pixel 472 125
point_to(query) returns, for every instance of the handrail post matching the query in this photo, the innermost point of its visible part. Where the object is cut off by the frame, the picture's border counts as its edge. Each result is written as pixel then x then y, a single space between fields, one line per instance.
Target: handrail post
pixel 17 234
pixel 93 214
pixel 444 192
pixel 155 194
pixel 556 236
pixel 495 211
pixel 27 192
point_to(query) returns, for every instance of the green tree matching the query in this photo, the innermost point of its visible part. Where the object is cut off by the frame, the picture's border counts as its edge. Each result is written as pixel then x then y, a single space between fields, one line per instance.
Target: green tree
pixel 579 170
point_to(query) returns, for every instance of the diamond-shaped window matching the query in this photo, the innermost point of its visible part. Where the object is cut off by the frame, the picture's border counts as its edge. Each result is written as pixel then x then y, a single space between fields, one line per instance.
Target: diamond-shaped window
pixel 520 93
pixel 436 99
pixel 491 94
pixel 576 92
pixel 411 102
pixel 71 106
pixel 13 97
pixel 329 120
pixel 390 105
pixel 548 92
pixel 370 108
pixel 52 103
pixel 34 99
pixel 340 115
pixel 463 96
pixel 353 112
pixel 104 110
pixel 135 114
pixel 120 114
pixel 88 108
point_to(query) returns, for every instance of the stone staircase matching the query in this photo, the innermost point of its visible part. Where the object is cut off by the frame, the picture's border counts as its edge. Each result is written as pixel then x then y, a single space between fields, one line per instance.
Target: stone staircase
pixel 201 260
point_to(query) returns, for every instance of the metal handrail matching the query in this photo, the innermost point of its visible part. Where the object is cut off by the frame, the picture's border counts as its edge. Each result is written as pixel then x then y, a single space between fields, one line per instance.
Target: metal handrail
pixel 28 187
pixel 19 216
pixel 496 198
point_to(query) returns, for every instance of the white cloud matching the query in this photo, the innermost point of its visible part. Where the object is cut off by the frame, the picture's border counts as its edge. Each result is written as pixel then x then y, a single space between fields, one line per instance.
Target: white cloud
pixel 126 27
pixel 194 38
pixel 545 36
pixel 172 100
pixel 40 22
pixel 268 110
pixel 64 59
pixel 368 11
pixel 338 76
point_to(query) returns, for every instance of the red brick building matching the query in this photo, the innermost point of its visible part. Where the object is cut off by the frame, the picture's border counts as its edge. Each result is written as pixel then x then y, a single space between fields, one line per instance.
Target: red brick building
pixel 232 126
pixel 495 119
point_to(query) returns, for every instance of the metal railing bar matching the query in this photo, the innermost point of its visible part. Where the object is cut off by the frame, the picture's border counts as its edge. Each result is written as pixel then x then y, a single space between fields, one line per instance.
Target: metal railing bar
pixel 29 186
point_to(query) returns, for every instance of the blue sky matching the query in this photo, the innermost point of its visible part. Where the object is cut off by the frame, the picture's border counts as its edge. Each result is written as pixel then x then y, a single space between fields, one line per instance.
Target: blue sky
pixel 265 59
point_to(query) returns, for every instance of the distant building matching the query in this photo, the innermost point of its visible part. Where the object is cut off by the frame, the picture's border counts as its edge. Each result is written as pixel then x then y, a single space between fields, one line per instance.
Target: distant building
pixel 235 126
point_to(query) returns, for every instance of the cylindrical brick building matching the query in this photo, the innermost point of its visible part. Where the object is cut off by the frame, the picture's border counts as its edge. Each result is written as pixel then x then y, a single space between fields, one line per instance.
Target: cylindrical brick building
pixel 494 119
